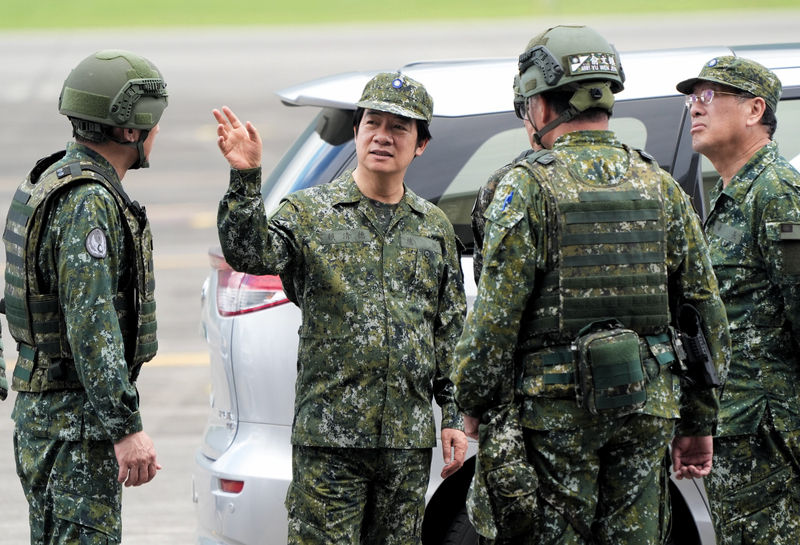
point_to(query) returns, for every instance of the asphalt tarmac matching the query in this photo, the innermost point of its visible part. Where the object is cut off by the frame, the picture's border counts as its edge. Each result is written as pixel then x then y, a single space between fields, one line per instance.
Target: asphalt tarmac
pixel 241 68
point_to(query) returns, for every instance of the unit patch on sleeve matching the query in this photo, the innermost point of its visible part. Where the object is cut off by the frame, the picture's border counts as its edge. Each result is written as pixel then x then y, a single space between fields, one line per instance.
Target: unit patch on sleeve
pixel 96 243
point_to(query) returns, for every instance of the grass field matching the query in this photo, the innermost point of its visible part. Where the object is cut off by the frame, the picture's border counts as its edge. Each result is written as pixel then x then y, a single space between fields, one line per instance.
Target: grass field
pixel 19 14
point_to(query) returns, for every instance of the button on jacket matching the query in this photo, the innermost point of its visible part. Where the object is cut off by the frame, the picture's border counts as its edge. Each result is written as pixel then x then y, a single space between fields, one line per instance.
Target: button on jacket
pixel 381 312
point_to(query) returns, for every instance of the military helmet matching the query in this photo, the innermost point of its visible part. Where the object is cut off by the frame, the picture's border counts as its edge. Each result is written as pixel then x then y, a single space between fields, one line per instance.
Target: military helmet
pixel 566 57
pixel 573 59
pixel 114 88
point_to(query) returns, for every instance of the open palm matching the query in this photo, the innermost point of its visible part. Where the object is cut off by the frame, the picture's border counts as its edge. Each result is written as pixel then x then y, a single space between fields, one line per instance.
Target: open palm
pixel 240 144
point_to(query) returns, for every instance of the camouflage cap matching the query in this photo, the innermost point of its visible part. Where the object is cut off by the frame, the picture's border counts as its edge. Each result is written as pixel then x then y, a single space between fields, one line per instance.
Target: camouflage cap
pixel 399 95
pixel 739 73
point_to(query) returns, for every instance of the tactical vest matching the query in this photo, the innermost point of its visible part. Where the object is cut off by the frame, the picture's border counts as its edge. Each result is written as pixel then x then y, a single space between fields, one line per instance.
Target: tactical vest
pixel 607 253
pixel 606 264
pixel 35 318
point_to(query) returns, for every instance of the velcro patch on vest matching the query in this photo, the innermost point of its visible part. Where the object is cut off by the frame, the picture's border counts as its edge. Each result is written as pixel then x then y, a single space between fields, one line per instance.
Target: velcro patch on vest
pixel 344 236
pixel 789 231
pixel 96 243
pixel 787 235
pixel 727 232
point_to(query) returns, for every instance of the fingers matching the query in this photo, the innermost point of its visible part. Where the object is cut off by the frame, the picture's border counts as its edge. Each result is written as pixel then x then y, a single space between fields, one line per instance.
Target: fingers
pixel 221 119
pixel 447 447
pixel 123 473
pixel 450 469
pixel 253 133
pixel 235 123
pixel 453 440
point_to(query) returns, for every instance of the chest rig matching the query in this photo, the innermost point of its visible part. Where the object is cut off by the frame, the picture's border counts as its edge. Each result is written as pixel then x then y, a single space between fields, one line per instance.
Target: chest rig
pixel 607 252
pixel 35 318
pixel 601 309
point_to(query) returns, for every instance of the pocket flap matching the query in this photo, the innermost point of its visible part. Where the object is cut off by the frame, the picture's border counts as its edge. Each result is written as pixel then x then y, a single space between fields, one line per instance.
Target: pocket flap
pixel 87 512
pixel 757 496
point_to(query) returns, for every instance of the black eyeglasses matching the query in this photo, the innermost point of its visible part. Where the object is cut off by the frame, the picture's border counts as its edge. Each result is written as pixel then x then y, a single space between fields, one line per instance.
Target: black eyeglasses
pixel 706 97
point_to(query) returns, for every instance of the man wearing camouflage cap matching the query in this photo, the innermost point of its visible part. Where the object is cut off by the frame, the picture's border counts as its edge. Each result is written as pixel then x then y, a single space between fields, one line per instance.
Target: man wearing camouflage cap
pixel 753 231
pixel 589 246
pixel 376 273
pixel 79 302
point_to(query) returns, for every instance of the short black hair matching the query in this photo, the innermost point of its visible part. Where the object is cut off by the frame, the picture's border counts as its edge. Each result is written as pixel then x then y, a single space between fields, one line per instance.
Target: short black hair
pixel 423 130
pixel 559 102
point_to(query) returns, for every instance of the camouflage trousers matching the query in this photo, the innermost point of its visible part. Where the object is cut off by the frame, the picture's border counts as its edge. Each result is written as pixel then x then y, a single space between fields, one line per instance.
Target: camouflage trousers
pixel 72 490
pixel 350 495
pixel 754 488
pixel 612 477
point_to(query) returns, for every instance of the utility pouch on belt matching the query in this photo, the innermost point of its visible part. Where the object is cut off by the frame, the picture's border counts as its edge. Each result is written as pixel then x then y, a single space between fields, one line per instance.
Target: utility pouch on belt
pixel 699 366
pixel 611 378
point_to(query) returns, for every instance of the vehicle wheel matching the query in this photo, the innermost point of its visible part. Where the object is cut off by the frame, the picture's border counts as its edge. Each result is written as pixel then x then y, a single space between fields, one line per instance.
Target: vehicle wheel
pixel 461 531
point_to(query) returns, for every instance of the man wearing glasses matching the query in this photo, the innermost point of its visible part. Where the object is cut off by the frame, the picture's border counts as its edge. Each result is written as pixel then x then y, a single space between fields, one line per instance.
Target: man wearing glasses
pixel 753 231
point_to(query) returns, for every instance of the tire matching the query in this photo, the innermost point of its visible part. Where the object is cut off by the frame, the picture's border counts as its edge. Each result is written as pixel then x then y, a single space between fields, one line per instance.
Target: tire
pixel 461 531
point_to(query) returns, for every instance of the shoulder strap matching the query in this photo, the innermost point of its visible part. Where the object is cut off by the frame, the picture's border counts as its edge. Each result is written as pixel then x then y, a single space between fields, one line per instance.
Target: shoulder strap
pixel 43 164
pixel 542 156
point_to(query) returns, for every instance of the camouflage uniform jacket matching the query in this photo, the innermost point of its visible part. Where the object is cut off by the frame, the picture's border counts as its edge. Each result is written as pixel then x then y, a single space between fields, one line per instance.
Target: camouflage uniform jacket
pixel 754 236
pixel 482 202
pixel 516 255
pixel 108 406
pixel 381 313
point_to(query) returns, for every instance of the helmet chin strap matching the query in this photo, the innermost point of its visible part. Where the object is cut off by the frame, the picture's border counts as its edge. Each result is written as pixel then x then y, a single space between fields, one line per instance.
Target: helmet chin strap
pixel 587 95
pixel 537 135
pixel 141 161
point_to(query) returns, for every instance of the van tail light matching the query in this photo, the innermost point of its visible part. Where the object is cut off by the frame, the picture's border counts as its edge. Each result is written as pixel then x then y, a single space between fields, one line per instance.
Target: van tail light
pixel 240 293
pixel 234 487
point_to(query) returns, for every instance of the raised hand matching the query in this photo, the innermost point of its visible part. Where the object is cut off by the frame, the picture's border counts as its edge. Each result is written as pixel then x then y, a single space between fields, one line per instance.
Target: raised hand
pixel 240 144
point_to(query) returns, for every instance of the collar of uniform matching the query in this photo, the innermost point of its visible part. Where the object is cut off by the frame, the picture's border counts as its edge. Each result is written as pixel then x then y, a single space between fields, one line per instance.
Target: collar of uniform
pixel 740 184
pixel 345 191
pixel 587 138
pixel 79 152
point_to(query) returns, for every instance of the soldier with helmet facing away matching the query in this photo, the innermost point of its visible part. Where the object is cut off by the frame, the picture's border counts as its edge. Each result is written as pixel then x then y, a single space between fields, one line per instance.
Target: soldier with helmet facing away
pixel 590 248
pixel 79 302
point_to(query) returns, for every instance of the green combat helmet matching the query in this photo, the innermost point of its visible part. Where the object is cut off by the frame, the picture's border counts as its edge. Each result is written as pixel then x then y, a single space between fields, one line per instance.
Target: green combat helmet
pixel 114 88
pixel 397 94
pixel 571 58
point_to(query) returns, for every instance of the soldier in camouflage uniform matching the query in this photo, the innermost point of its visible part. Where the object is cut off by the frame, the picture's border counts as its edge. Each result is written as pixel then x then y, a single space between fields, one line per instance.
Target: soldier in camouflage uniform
pixel 588 246
pixel 79 302
pixel 376 273
pixel 753 231
pixel 486 193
